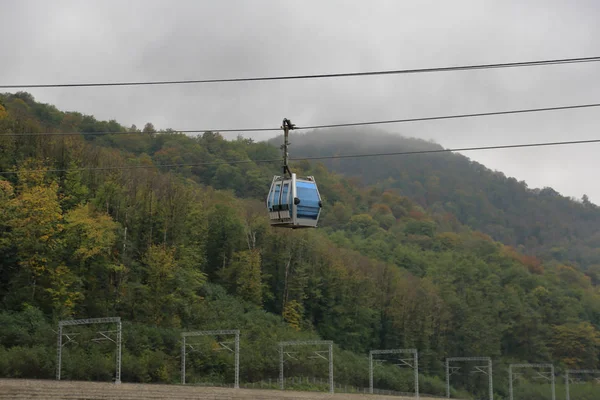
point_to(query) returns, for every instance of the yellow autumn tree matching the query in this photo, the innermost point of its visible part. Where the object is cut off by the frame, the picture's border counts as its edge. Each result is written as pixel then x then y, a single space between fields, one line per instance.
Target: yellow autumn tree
pixel 3 112
pixel 36 225
pixel 292 314
pixel 90 233
pixel 62 288
pixel 6 195
pixel 90 237
pixel 576 345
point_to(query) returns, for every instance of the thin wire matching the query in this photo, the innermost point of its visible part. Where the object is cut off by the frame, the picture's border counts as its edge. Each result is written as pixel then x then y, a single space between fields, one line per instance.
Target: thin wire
pixel 392 121
pixel 144 166
pixel 317 76
pixel 398 153
pixel 137 133
pixel 457 116
pixel 458 149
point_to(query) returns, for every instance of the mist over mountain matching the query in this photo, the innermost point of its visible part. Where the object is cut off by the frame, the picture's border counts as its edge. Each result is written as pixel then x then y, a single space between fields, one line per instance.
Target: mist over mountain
pixel 538 221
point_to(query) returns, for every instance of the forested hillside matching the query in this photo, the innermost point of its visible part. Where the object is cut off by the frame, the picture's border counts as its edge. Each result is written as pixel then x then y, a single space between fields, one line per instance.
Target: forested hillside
pixel 91 226
pixel 539 222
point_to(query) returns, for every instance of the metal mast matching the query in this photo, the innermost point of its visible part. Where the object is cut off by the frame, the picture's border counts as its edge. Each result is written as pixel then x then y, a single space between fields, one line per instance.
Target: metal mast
pixel 287 126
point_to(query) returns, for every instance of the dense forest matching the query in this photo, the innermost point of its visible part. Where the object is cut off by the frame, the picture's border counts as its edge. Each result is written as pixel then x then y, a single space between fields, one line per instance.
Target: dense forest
pixel 431 253
pixel 538 222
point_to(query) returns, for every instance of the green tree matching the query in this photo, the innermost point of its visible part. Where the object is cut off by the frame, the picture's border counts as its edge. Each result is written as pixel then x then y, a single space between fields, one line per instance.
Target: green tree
pixel 225 233
pixel 160 273
pixel 244 274
pixel 149 128
pixel 74 190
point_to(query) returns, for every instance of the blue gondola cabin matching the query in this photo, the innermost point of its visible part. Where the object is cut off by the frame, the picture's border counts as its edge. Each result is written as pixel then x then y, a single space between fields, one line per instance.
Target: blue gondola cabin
pixel 294 202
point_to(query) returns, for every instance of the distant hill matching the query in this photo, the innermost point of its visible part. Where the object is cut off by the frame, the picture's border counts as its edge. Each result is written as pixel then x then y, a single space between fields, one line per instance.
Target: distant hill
pixel 537 221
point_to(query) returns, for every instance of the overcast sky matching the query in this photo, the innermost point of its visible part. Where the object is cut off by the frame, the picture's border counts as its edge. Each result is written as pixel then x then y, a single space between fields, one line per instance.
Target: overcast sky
pixel 82 41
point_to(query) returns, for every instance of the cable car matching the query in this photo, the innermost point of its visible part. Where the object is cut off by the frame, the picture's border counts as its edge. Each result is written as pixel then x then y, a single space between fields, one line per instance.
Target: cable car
pixel 293 202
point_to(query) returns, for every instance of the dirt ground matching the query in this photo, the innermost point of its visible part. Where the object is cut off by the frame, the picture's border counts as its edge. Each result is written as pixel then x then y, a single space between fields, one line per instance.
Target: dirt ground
pixel 20 389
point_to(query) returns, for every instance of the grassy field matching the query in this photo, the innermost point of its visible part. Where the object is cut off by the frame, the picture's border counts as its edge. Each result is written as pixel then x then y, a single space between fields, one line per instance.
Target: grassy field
pixel 17 389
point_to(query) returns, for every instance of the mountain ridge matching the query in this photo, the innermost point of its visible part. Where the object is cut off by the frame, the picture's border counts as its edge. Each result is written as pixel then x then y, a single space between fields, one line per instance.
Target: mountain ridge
pixel 538 221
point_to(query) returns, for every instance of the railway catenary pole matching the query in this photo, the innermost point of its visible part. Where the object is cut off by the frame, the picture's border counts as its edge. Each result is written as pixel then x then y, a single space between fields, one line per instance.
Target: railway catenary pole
pixel 281 383
pixel 183 360
pixel 403 362
pixel 510 383
pixel 491 379
pixel 371 372
pixel 237 360
pixel 331 386
pixel 236 350
pixel 478 369
pixel 416 371
pixel 567 390
pixel 570 372
pixel 447 378
pixel 327 343
pixel 119 340
pixel 553 382
pixel 104 335
pixel 59 352
pixel 550 378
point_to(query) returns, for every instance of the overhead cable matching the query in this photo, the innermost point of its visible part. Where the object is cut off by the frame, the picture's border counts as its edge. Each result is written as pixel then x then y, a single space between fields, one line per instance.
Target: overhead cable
pixel 455 116
pixel 534 63
pixel 323 126
pixel 342 156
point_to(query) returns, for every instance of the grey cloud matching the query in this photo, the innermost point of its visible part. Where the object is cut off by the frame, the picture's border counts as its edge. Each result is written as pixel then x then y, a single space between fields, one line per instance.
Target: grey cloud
pixel 153 40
